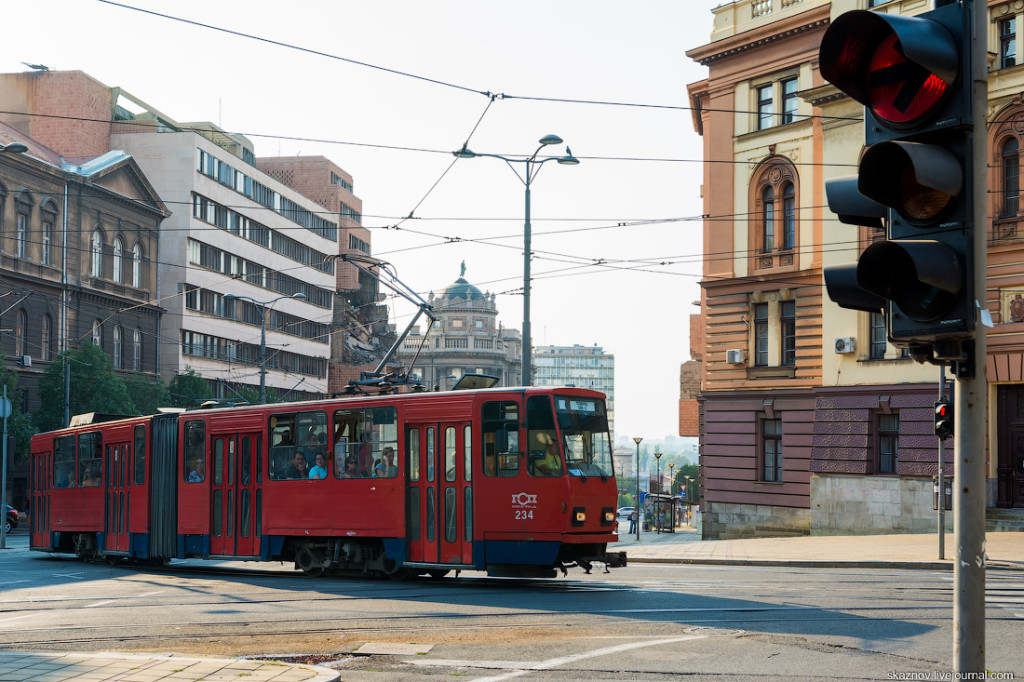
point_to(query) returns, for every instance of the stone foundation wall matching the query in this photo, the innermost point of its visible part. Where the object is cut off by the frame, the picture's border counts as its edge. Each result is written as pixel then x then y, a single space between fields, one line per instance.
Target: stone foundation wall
pixel 871 505
pixel 722 520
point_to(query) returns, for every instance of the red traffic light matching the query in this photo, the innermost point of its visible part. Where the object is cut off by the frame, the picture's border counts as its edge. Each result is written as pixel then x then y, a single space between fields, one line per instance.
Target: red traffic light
pixel 901 68
pixel 900 91
pixel 943 419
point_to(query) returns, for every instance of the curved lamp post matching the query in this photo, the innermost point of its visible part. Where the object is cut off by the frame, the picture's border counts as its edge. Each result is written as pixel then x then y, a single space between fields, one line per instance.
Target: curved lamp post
pixel 637 501
pixel 532 167
pixel 262 306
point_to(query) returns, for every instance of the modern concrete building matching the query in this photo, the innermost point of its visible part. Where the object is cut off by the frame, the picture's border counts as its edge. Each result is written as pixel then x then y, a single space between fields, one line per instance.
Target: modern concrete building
pixel 580 366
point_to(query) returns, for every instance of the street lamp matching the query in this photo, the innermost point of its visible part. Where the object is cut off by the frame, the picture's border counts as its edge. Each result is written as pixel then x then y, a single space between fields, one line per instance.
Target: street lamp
pixel 13 148
pixel 657 501
pixel 671 478
pixel 688 479
pixel 532 167
pixel 262 307
pixel 636 502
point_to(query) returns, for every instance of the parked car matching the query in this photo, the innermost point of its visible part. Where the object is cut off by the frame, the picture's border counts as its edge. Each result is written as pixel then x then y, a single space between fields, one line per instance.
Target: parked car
pixel 624 512
pixel 10 519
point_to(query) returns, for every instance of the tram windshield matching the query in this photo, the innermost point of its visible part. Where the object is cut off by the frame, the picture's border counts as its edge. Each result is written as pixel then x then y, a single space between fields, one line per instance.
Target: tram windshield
pixel 584 425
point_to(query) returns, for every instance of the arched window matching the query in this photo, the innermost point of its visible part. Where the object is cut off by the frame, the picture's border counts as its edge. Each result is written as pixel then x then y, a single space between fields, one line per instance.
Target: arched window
pixel 788 217
pixel 96 251
pixel 137 266
pixel 118 347
pixel 775 228
pixel 20 330
pixel 1011 178
pixel 118 260
pixel 97 333
pixel 46 341
pixel 768 220
pixel 137 350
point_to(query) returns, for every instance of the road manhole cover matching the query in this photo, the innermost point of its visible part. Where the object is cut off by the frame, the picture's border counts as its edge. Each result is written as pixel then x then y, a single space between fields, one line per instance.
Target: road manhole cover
pixel 712 632
pixel 393 649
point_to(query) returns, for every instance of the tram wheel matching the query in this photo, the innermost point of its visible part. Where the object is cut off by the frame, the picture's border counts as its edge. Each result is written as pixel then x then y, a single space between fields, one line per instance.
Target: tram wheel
pixel 399 574
pixel 309 562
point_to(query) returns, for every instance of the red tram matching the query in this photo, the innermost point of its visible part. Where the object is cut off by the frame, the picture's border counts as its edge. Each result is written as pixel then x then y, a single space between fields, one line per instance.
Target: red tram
pixel 513 481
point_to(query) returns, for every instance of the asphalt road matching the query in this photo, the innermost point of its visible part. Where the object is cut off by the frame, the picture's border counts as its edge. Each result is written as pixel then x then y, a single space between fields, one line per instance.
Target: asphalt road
pixel 641 622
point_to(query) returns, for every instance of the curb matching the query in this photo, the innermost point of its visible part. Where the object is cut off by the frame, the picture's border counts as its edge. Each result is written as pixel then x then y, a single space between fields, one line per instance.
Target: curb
pixel 937 565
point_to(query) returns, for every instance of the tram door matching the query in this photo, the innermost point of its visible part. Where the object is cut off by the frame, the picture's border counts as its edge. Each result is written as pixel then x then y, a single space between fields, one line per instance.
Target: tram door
pixel 117 457
pixel 439 527
pixel 235 495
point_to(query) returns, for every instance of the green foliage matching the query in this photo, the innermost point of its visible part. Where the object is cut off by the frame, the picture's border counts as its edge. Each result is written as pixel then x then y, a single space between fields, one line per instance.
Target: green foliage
pixel 147 393
pixel 94 387
pixel 19 423
pixel 188 389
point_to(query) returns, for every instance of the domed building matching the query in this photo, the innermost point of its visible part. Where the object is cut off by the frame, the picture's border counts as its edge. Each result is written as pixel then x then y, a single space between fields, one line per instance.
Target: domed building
pixel 465 339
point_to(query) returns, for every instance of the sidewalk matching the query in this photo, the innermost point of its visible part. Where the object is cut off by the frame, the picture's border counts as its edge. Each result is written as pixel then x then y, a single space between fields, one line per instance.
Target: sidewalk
pixel 1004 550
pixel 56 667
pixel 916 551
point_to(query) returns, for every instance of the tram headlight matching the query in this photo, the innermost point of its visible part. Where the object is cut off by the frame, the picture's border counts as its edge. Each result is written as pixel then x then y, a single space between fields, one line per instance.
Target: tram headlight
pixel 579 516
pixel 607 516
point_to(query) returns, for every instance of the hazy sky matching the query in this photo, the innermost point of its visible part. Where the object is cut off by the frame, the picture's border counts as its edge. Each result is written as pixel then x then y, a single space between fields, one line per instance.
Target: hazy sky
pixel 388 89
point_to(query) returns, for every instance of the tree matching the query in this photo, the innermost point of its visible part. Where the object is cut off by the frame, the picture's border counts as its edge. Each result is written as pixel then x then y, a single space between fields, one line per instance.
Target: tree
pixel 188 389
pixel 19 423
pixel 94 387
pixel 147 393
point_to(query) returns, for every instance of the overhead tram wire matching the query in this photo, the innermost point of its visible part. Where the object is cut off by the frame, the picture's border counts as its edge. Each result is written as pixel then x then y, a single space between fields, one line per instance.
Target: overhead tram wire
pixel 297 48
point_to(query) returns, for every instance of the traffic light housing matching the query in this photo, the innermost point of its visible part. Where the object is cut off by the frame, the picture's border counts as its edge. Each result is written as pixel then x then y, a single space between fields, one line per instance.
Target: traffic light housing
pixel 914 77
pixel 943 419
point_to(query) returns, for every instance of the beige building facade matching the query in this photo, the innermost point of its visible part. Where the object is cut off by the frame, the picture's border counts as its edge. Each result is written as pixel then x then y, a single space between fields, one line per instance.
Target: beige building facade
pixel 839 439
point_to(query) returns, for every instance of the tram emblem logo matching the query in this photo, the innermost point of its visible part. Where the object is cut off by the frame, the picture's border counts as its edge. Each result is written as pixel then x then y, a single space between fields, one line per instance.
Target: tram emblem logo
pixel 524 500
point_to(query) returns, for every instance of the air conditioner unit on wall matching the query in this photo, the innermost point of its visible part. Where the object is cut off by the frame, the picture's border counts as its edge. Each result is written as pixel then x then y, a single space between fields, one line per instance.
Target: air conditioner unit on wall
pixel 25 361
pixel 734 356
pixel 847 344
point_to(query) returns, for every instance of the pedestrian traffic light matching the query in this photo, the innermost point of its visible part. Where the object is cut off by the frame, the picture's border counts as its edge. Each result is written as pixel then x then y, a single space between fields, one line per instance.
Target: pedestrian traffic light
pixel 943 418
pixel 913 75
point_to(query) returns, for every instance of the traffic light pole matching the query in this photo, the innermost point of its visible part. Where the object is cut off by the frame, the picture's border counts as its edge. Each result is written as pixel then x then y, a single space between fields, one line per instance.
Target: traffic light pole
pixel 970 406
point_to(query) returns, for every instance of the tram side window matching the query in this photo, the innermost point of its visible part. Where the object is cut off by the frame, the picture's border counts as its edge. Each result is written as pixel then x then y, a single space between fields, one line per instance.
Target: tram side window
pixel 90 458
pixel 295 441
pixel 501 451
pixel 195 451
pixel 140 455
pixel 64 462
pixel 365 443
pixel 544 458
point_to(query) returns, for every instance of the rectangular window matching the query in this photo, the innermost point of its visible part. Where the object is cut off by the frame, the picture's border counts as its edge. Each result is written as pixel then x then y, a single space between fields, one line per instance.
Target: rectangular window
pixel 771 435
pixel 1008 43
pixel 22 236
pixel 787 318
pixel 765 110
pixel 877 322
pixel 501 449
pixel 295 441
pixel 761 334
pixel 365 441
pixel 888 443
pixel 789 100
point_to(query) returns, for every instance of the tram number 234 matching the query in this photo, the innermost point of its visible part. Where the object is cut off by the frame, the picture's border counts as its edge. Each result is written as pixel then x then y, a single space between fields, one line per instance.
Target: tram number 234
pixel 522 514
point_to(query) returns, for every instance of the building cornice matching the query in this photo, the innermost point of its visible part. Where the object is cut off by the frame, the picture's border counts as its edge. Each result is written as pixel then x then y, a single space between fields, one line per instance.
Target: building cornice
pixel 783 29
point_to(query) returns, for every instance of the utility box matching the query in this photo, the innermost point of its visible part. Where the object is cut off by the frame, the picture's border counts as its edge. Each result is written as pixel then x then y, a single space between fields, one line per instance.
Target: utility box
pixel 947 493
